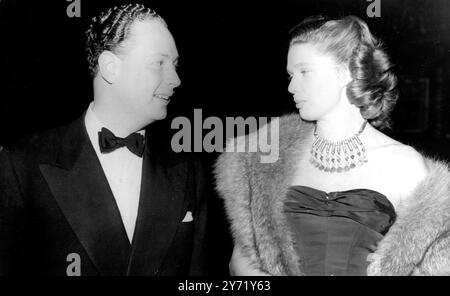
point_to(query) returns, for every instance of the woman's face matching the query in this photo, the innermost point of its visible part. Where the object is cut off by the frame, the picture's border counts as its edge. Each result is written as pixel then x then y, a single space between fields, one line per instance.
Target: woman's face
pixel 316 81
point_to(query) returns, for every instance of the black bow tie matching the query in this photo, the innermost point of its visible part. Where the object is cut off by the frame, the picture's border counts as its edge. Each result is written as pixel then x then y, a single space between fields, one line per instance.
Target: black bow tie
pixel 109 142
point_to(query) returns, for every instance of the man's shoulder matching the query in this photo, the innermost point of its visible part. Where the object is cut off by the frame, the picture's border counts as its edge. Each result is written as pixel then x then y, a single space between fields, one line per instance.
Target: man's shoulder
pixel 37 146
pixel 36 140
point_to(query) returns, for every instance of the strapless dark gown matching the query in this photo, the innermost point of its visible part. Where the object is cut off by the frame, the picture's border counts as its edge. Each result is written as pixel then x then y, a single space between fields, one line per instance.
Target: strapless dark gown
pixel 335 232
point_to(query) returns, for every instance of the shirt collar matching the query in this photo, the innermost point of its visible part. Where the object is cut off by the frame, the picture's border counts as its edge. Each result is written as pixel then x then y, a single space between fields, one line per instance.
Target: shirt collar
pixel 94 125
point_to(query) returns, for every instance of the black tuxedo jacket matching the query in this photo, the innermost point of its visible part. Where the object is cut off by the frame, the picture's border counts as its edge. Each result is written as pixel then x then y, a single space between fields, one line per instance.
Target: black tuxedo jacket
pixel 55 200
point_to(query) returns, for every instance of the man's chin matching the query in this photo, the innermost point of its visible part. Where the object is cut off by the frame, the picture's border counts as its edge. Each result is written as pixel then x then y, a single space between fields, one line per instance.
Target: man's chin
pixel 158 116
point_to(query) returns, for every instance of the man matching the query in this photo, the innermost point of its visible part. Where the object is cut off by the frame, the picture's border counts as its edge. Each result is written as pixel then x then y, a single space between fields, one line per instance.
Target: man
pixel 104 195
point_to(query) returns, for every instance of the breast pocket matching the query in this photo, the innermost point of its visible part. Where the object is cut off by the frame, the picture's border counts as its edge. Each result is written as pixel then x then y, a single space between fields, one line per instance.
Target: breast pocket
pixel 178 259
pixel 184 235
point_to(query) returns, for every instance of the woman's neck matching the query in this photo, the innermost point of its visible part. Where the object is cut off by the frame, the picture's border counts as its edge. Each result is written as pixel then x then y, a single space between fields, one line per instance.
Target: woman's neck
pixel 341 124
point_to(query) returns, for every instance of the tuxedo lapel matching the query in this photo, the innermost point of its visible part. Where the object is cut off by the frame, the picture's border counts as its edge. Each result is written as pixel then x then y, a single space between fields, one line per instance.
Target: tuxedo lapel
pixel 77 182
pixel 161 208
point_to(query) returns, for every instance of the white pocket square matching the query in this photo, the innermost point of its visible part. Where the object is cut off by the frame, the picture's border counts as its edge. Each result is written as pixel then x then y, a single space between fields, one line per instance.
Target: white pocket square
pixel 188 217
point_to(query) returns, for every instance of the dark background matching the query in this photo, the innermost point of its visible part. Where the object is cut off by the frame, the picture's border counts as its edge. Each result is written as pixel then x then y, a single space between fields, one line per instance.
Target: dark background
pixel 232 63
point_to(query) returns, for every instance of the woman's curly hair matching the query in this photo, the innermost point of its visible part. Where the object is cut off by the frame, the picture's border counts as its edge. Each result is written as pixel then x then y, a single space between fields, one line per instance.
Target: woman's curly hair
pixel 111 28
pixel 374 85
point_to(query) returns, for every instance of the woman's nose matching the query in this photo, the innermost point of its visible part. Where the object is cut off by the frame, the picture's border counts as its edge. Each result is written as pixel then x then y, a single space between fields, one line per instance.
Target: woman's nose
pixel 291 86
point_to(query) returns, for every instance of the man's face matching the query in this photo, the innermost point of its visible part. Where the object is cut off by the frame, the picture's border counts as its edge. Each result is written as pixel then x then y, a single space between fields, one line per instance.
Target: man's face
pixel 147 75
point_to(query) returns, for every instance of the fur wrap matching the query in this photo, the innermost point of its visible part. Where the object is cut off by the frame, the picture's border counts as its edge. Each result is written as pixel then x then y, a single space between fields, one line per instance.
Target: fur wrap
pixel 418 243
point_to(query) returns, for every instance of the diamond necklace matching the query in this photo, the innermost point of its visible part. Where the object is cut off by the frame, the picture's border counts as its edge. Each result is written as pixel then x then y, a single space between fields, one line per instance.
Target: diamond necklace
pixel 338 156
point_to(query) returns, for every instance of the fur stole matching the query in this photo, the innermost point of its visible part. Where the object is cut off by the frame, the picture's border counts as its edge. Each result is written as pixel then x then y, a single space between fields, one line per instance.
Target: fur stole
pixel 418 243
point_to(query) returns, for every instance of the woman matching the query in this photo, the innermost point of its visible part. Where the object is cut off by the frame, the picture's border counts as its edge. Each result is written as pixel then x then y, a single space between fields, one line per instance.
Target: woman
pixel 343 198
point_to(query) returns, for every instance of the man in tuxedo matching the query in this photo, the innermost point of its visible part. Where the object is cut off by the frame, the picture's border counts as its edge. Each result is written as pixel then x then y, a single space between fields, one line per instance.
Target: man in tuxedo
pixel 106 195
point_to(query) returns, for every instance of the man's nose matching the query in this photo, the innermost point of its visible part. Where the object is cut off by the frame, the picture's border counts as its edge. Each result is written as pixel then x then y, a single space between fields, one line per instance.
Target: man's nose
pixel 174 79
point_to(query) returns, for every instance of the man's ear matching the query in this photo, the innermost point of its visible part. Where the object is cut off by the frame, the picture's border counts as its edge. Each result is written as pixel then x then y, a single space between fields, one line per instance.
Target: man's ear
pixel 108 65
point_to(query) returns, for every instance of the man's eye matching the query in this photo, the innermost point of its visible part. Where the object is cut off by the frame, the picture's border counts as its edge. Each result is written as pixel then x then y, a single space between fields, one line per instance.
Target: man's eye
pixel 304 71
pixel 158 63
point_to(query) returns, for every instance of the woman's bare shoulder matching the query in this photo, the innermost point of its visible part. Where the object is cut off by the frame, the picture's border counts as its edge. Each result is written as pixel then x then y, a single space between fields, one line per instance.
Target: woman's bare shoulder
pixel 403 165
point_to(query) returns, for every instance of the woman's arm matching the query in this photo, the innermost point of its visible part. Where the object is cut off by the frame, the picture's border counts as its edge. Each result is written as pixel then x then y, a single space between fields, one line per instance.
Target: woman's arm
pixel 240 265
pixel 232 184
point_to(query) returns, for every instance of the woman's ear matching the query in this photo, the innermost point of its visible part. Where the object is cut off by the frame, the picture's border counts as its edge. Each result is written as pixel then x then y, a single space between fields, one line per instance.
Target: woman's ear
pixel 344 75
pixel 108 64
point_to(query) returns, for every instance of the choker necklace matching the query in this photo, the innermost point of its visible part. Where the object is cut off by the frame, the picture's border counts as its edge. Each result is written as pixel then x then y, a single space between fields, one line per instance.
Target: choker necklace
pixel 338 156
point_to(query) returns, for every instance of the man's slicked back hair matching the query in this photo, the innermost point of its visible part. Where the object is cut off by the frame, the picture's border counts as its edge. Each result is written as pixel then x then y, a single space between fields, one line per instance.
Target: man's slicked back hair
pixel 111 28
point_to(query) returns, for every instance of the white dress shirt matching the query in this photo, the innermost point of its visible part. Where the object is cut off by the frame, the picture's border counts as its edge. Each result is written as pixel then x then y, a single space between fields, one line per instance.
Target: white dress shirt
pixel 123 170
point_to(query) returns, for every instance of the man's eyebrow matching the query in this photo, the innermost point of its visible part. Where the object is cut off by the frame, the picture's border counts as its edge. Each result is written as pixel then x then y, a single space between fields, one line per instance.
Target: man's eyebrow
pixel 163 54
pixel 166 56
pixel 160 54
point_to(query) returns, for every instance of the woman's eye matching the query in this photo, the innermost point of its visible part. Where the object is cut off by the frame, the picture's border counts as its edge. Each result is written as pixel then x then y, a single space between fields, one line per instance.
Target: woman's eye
pixel 304 71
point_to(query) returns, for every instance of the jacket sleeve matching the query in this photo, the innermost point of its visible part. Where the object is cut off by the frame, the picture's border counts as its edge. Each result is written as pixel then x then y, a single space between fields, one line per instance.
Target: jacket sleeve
pixel 12 216
pixel 232 185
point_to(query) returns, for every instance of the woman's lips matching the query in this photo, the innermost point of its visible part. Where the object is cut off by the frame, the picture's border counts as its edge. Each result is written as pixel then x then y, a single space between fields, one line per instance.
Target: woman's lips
pixel 299 103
